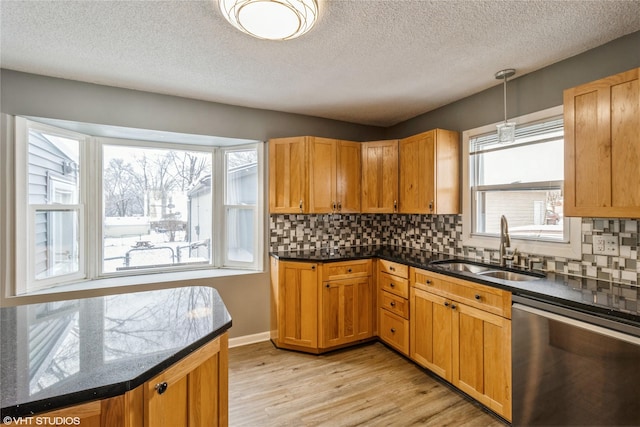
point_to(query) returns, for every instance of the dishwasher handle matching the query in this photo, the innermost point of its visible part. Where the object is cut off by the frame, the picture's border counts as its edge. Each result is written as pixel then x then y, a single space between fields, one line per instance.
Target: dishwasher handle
pixel 631 339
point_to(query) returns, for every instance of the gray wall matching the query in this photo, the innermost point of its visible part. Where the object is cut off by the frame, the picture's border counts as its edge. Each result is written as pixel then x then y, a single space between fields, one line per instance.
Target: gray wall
pixel 532 92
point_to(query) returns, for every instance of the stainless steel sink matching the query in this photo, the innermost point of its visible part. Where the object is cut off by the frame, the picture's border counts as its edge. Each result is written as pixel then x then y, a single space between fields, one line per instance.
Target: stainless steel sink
pixel 462 266
pixel 509 275
pixel 485 271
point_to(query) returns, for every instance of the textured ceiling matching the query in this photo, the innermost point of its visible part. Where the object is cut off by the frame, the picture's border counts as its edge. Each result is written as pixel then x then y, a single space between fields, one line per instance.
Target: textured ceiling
pixel 371 62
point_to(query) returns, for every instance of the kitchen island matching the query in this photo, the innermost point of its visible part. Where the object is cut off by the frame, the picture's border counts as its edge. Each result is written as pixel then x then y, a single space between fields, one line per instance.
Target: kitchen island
pixel 137 355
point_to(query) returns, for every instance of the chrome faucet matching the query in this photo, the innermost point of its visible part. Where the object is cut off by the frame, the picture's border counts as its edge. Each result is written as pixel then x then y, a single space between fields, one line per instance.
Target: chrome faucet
pixel 505 240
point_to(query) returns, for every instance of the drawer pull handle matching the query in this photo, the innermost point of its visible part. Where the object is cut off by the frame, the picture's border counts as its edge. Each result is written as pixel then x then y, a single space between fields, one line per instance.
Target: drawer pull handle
pixel 392 303
pixel 393 330
pixel 392 285
pixel 477 297
pixel 161 387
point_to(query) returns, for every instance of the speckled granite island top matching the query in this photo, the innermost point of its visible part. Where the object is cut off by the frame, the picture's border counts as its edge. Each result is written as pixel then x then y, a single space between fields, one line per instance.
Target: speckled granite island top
pixel 575 292
pixel 68 352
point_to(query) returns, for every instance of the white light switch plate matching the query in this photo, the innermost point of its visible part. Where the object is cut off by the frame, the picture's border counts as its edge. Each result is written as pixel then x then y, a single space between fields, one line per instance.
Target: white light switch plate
pixel 606 245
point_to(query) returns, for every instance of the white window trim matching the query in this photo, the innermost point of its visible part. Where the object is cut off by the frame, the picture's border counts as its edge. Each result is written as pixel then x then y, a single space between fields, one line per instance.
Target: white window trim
pixel 15 283
pixel 572 249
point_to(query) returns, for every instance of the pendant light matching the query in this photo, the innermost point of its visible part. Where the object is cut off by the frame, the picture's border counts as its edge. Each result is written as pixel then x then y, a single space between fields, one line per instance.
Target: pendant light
pixel 271 19
pixel 506 130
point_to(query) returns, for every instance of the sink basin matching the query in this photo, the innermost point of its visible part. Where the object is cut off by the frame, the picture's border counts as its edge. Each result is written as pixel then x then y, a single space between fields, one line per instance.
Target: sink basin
pixel 462 266
pixel 485 271
pixel 509 275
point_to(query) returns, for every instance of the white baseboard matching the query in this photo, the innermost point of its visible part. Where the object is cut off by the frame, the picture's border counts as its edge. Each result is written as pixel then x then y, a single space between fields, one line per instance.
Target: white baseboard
pixel 249 339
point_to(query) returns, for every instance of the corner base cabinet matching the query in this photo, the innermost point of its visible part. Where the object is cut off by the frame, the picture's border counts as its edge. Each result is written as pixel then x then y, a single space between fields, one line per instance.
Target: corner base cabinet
pixel 317 307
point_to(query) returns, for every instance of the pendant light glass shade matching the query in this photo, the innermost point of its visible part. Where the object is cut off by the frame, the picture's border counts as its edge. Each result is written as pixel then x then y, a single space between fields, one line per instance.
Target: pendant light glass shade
pixel 506 130
pixel 271 19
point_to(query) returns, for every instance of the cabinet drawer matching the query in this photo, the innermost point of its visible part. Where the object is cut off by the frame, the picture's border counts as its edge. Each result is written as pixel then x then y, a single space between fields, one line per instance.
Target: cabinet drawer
pixel 346 269
pixel 487 298
pixel 394 330
pixel 394 268
pixel 394 304
pixel 393 284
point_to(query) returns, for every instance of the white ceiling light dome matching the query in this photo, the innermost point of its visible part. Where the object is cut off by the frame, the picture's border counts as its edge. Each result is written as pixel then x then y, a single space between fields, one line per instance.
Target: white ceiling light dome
pixel 271 19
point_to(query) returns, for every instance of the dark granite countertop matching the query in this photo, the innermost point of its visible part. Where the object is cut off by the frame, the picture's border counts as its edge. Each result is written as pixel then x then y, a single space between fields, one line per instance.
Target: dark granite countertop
pixel 579 293
pixel 68 352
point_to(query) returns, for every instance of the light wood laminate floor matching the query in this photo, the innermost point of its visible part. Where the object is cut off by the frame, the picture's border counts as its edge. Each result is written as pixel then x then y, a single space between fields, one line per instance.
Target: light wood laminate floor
pixel 369 385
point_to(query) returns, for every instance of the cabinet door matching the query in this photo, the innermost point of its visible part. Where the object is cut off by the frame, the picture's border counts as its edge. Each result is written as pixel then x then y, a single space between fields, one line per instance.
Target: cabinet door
pixel 288 181
pixel 482 357
pixel 192 392
pixel 298 317
pixel 348 179
pixel 431 332
pixel 346 311
pixel 380 176
pixel 416 157
pixel 322 175
pixel 100 413
pixel 602 130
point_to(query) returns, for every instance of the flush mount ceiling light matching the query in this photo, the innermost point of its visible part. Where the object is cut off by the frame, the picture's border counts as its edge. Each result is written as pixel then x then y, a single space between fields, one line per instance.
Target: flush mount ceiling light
pixel 506 130
pixel 271 19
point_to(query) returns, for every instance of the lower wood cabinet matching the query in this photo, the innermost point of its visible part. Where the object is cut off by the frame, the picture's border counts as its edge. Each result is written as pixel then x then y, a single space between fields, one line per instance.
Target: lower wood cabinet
pixel 191 393
pixel 464 344
pixel 316 307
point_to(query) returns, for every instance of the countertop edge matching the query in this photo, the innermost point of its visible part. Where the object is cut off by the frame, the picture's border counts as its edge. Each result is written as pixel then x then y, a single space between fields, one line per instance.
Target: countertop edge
pixel 111 390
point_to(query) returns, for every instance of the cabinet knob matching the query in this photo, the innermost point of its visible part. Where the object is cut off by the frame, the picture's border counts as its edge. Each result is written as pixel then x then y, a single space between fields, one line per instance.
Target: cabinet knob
pixel 392 268
pixel 349 270
pixel 161 387
pixel 339 206
pixel 334 207
pixel 327 286
pixel 392 303
pixel 453 306
pixel 395 206
pixel 431 206
pixel 393 330
pixel 446 303
pixel 428 282
pixel 391 285
pixel 313 267
pixel 300 205
pixel 477 297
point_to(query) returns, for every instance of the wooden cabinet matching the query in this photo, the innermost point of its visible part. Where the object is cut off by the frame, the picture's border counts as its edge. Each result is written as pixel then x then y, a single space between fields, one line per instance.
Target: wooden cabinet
pixel 461 331
pixel 314 175
pixel 602 149
pixel 294 287
pixel 319 307
pixel 393 311
pixel 429 173
pixel 380 176
pixel 288 180
pixel 347 303
pixel 191 393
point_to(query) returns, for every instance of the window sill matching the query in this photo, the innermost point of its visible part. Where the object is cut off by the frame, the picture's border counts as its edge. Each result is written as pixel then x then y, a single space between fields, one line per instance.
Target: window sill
pixel 112 285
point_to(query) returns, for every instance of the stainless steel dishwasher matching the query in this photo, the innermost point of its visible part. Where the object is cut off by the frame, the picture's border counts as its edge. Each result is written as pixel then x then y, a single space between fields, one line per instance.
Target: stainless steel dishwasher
pixel 572 368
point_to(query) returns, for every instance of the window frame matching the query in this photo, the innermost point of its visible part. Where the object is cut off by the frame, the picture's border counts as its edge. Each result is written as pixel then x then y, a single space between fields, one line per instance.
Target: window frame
pixel 569 249
pixel 90 208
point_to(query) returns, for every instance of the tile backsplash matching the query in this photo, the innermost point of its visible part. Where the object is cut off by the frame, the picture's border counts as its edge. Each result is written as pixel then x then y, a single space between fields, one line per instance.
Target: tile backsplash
pixel 443 234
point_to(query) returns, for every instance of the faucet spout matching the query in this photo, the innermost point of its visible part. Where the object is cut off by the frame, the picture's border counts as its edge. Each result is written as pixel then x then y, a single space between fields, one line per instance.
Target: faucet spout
pixel 505 240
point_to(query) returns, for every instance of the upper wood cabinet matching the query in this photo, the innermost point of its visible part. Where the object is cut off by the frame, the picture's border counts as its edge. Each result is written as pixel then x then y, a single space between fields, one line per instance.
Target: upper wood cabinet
pixel 602 147
pixel 288 180
pixel 429 173
pixel 314 175
pixel 380 176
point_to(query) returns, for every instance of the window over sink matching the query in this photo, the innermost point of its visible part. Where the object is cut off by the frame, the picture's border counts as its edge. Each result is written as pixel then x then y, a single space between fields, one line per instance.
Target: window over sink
pixel 523 181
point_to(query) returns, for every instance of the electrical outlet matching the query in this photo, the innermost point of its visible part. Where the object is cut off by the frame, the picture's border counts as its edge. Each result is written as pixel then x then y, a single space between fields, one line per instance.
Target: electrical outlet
pixel 606 245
